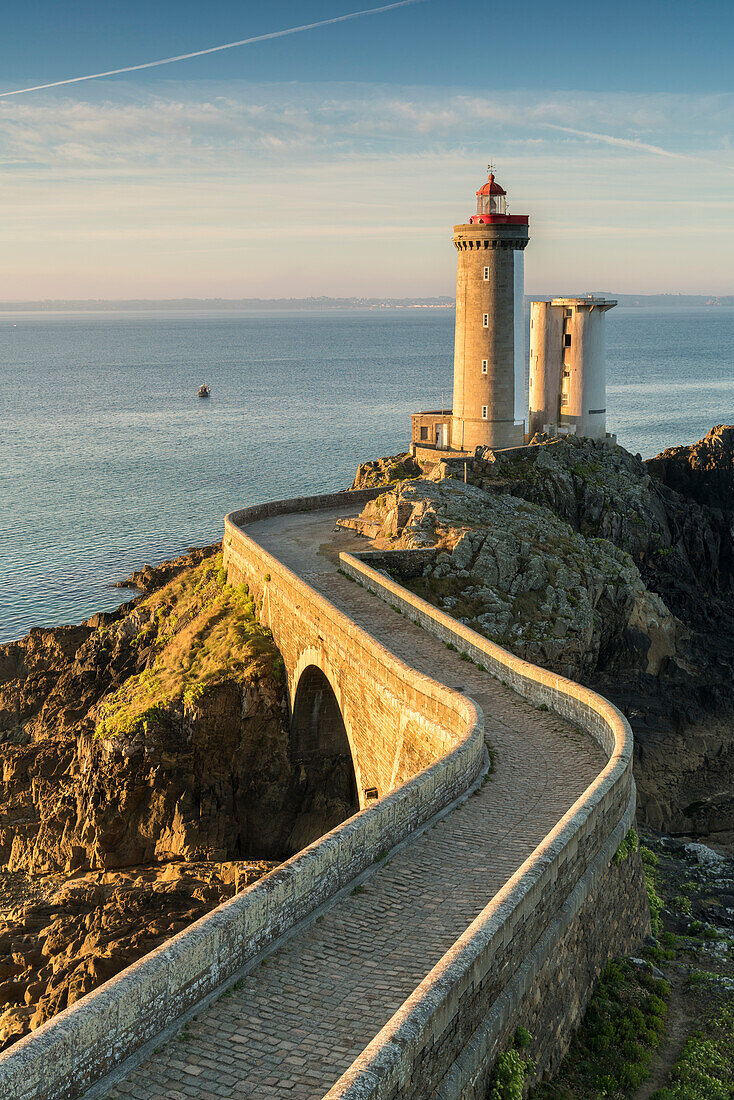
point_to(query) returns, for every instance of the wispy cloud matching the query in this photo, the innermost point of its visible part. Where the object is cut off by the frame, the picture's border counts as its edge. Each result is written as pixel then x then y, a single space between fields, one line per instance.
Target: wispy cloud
pixel 252 185
pixel 220 126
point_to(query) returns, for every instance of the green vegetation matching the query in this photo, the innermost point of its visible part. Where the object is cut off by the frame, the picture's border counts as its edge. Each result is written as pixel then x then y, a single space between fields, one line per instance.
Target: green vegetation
pixel 611 1052
pixel 508 1076
pixel 510 1070
pixel 200 631
pixel 398 471
pixel 628 847
pixel 590 471
pixel 705 1068
pixel 523 1038
pixel 650 863
pixel 684 904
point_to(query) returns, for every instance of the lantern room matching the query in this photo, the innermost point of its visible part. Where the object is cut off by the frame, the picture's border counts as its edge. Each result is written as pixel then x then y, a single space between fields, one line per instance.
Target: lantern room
pixel 491 199
pixel 492 205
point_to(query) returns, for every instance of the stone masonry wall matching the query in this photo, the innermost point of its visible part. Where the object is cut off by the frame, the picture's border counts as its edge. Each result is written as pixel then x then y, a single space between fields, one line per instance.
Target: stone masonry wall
pixel 444 1039
pixel 67 1054
pixel 553 987
pixel 397 721
pixel 611 922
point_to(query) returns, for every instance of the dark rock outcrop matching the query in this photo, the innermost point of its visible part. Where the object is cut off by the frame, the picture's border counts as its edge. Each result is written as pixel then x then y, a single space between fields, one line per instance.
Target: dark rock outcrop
pixel 61 937
pixel 703 471
pixel 519 574
pixel 151 577
pixel 653 629
pixel 146 776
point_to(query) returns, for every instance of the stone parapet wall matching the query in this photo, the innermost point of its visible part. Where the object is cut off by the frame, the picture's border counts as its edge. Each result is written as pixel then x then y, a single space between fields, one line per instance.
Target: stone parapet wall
pixel 444 1038
pixel 397 720
pixel 65 1056
pixel 406 565
pixel 578 950
pixel 551 989
pixel 350 498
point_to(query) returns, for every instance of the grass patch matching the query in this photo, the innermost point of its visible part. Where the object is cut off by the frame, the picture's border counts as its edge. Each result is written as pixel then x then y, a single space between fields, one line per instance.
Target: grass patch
pixel 650 861
pixel 510 1069
pixel 705 1068
pixel 610 1053
pixel 628 847
pixel 200 631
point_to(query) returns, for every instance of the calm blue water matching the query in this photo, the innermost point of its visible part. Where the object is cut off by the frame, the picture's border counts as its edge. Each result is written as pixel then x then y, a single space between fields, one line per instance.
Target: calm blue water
pixel 108 460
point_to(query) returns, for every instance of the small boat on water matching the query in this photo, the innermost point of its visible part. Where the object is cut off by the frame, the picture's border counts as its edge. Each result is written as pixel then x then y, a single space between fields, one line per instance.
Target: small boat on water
pixel 204 391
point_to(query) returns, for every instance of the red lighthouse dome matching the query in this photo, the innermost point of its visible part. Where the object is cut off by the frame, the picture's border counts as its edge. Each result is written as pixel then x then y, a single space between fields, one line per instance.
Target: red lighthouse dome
pixel 492 205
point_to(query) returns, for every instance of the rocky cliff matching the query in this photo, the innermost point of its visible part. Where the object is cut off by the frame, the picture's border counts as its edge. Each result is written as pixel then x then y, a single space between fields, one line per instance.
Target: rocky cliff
pixel 146 777
pixel 586 560
pixel 703 471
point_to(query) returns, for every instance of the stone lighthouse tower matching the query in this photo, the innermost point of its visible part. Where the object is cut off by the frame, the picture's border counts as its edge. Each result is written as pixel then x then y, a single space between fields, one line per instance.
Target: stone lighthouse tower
pixel 489 350
pixel 489 406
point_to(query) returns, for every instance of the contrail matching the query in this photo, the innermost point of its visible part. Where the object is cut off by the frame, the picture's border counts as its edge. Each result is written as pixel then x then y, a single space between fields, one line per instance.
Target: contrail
pixel 640 146
pixel 627 143
pixel 216 49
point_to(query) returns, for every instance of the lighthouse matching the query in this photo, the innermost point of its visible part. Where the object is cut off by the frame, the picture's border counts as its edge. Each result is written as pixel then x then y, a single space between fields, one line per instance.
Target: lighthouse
pixel 489 406
pixel 489 347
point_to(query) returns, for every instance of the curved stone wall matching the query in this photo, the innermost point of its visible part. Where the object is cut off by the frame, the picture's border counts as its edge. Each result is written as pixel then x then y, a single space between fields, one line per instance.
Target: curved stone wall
pixel 440 1039
pixel 398 721
pixel 67 1054
pixel 449 1030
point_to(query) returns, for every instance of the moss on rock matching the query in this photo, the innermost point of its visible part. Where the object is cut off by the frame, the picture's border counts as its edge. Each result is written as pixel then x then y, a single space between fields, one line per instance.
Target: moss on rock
pixel 201 631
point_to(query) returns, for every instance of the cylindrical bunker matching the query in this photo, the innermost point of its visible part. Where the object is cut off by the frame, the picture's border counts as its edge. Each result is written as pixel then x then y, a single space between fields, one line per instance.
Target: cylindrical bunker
pixel 567 366
pixel 546 339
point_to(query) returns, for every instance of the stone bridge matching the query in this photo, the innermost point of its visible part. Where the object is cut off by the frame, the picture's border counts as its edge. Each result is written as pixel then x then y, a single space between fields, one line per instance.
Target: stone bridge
pixel 394 956
pixel 350 699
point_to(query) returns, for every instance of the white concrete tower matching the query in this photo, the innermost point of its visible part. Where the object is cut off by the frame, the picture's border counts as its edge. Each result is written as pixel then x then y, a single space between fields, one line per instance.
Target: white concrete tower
pixel 568 388
pixel 489 350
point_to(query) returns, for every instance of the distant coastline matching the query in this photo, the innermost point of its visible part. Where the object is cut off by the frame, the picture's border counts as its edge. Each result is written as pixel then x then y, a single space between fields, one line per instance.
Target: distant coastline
pixel 324 303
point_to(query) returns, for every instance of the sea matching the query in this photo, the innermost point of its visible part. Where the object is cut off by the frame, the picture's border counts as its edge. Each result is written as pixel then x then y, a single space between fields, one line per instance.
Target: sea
pixel 109 460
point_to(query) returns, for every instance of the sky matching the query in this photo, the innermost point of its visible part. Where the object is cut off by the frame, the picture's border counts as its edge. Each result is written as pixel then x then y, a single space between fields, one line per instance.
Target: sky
pixel 335 160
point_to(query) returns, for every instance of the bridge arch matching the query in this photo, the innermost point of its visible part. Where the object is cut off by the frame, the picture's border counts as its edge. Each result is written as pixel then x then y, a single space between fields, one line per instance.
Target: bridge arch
pixel 316 658
pixel 327 787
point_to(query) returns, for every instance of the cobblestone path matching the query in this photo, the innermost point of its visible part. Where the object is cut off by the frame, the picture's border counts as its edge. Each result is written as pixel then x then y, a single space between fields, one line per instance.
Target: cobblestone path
pixel 297 1021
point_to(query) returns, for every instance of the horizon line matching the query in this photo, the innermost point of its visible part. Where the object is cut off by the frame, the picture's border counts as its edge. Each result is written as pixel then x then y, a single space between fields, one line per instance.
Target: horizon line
pixel 315 299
